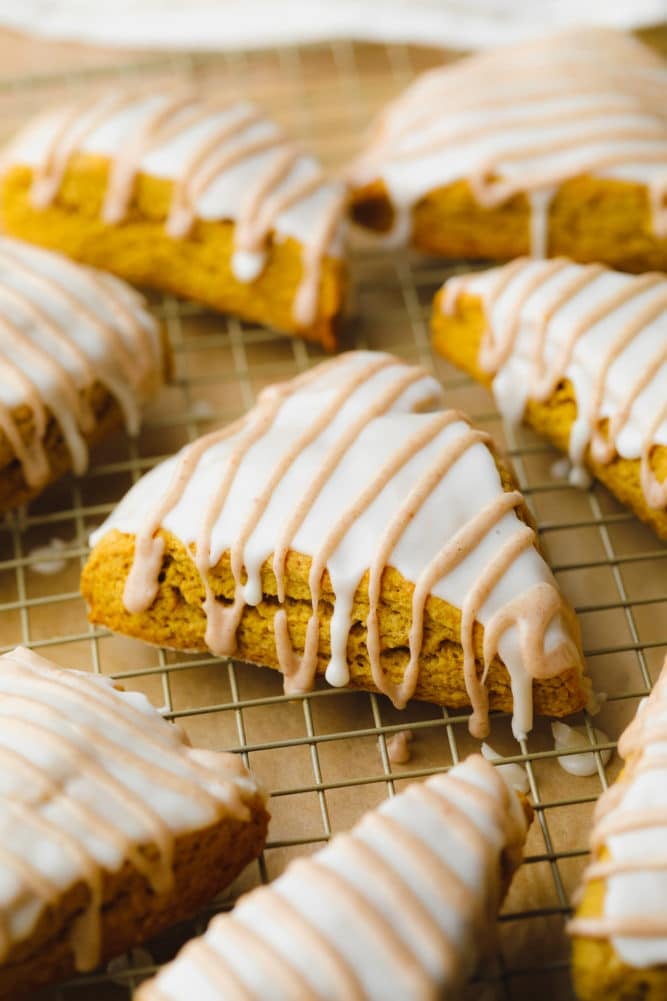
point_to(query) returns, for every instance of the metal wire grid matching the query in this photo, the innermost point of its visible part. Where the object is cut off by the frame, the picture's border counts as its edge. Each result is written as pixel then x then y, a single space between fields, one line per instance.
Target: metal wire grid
pixel 324 755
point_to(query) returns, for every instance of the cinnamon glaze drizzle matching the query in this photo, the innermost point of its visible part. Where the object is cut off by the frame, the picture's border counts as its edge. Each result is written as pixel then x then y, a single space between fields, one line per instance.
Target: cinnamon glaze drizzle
pixel 338 405
pixel 219 138
pixel 525 119
pixel 544 324
pixel 63 328
pixel 628 841
pixel 399 907
pixel 89 791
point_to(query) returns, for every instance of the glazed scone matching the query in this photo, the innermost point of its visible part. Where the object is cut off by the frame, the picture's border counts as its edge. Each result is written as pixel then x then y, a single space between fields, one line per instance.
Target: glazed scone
pixel 557 146
pixel 111 826
pixel 338 529
pixel 578 352
pixel 619 929
pixel 403 906
pixel 208 201
pixel 79 355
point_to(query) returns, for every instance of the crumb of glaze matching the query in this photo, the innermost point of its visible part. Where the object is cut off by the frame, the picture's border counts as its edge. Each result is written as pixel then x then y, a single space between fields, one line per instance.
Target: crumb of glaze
pixel 568 738
pixel 399 750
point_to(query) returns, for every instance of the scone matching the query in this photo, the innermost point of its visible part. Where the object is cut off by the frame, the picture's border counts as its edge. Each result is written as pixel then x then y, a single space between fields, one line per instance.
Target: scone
pixel 581 354
pixel 208 201
pixel 111 826
pixel 402 907
pixel 558 146
pixel 619 929
pixel 79 355
pixel 339 530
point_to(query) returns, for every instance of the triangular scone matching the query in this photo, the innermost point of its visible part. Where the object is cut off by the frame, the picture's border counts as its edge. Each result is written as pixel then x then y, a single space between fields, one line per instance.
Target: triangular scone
pixel 557 146
pixel 403 527
pixel 404 906
pixel 580 352
pixel 206 199
pixel 620 925
pixel 79 355
pixel 111 826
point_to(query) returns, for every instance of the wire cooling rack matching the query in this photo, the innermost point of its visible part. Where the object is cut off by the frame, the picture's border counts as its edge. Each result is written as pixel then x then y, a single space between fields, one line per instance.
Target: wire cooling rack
pixel 324 756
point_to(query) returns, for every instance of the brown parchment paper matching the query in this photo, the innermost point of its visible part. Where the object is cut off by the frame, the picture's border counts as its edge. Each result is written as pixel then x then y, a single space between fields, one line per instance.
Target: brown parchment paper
pixel 324 757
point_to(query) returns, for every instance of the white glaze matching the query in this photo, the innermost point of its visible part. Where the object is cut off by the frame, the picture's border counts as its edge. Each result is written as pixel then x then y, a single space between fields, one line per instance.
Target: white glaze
pixel 62 328
pixel 567 738
pixel 531 290
pixel 48 560
pixel 88 775
pixel 514 775
pixel 184 147
pixel 472 485
pixel 526 118
pixel 628 840
pixel 393 929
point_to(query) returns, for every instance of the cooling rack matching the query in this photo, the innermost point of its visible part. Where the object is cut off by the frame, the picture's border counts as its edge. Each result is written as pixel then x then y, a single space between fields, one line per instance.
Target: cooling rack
pixel 324 756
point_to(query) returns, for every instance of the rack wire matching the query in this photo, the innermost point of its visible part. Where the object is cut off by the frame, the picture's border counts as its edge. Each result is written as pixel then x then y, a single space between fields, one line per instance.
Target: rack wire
pixel 324 756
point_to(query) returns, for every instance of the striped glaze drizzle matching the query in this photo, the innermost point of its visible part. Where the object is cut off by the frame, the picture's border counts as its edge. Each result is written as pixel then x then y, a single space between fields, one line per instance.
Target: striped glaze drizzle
pixel 226 161
pixel 325 480
pixel 89 777
pixel 64 328
pixel 402 906
pixel 628 842
pixel 604 331
pixel 523 120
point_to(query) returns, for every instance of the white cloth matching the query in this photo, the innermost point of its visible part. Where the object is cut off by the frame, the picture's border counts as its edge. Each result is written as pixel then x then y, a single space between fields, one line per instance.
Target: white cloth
pixel 236 24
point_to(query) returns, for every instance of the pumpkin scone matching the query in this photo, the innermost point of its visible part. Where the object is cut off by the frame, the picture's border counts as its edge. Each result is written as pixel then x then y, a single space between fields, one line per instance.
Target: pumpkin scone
pixel 338 529
pixel 619 930
pixel 208 201
pixel 79 355
pixel 578 352
pixel 111 826
pixel 404 906
pixel 557 146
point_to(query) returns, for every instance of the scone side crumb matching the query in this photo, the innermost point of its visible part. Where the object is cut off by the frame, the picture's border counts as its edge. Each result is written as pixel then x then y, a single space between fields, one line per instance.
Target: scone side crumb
pixel 205 861
pixel 457 337
pixel 590 219
pixel 176 619
pixel 140 251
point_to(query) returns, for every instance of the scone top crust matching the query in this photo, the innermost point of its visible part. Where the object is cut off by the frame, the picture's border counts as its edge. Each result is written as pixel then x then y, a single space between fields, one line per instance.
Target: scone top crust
pixel 64 328
pixel 604 331
pixel 91 778
pixel 402 906
pixel 524 119
pixel 226 161
pixel 341 464
pixel 628 843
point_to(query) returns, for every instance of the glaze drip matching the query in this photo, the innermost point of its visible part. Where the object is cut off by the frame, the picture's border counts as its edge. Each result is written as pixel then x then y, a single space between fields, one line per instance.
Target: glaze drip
pixel 380 912
pixel 202 148
pixel 628 840
pixel 604 331
pixel 63 329
pixel 341 465
pixel 524 120
pixel 89 777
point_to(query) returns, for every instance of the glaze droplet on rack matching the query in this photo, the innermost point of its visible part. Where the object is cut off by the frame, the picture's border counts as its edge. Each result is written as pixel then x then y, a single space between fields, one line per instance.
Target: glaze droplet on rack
pixel 342 465
pixel 227 161
pixel 604 331
pixel 402 906
pixel 64 328
pixel 523 120
pixel 89 777
pixel 628 842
